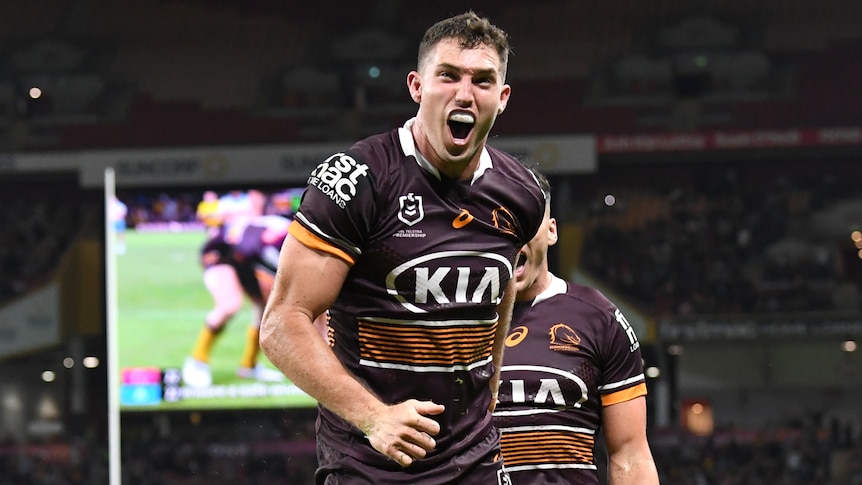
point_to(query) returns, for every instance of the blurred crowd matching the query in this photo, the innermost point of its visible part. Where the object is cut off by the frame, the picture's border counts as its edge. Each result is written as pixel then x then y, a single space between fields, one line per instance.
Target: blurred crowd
pixel 806 450
pixel 730 241
pixel 262 447
pixel 36 228
pixel 305 73
pixel 251 446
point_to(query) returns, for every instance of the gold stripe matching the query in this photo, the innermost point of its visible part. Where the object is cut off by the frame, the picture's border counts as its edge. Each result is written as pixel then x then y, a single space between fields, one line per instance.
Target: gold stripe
pixel 624 395
pixel 313 241
pixel 445 346
pixel 534 447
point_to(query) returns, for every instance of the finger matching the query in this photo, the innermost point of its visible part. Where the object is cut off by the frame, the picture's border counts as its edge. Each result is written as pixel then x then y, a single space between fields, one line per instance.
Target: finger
pixel 428 408
pixel 404 459
pixel 423 422
pixel 400 454
pixel 420 439
pixel 412 452
pixel 425 425
pixel 418 450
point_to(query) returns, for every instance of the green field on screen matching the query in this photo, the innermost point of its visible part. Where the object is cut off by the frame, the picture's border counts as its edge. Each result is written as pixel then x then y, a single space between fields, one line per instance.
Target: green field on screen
pixel 162 303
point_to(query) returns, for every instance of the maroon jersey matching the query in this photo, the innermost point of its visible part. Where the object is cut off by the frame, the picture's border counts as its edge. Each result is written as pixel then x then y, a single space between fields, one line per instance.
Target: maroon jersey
pixel 251 246
pixel 256 250
pixel 570 351
pixel 430 259
pixel 258 241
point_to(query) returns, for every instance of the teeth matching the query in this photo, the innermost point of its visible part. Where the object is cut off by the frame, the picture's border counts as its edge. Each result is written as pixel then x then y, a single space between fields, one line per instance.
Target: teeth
pixel 462 118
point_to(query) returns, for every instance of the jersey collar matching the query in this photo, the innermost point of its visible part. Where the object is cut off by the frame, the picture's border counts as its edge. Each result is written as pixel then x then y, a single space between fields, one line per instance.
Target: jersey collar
pixel 558 286
pixel 408 146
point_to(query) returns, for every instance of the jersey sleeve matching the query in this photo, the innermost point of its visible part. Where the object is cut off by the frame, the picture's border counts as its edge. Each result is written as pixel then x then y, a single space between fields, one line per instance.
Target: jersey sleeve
pixel 622 371
pixel 522 217
pixel 338 207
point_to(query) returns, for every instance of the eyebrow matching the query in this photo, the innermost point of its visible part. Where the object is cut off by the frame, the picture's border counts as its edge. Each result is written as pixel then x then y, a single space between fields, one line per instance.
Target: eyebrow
pixel 476 72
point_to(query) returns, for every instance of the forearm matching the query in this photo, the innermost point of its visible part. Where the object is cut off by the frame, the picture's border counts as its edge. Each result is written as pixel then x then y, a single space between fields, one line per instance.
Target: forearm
pixel 293 344
pixel 632 470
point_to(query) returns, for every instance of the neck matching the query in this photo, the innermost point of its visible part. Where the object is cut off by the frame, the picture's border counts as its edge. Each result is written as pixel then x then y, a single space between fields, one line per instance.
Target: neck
pixel 457 170
pixel 542 282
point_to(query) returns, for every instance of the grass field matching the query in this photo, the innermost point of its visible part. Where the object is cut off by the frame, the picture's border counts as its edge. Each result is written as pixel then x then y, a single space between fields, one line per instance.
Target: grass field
pixel 162 303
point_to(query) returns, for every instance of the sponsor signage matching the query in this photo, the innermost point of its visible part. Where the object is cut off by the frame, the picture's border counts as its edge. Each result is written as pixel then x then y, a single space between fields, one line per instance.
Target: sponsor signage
pixel 265 164
pixel 31 322
pixel 749 329
pixel 728 140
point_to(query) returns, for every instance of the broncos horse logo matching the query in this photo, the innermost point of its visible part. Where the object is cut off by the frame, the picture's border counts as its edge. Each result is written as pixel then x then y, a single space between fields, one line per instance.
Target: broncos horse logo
pixel 564 338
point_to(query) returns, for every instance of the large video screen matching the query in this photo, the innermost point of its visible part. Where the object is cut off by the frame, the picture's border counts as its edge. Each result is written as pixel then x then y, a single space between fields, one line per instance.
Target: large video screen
pixel 190 276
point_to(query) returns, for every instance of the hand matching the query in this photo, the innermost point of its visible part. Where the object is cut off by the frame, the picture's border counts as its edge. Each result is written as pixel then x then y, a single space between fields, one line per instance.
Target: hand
pixel 403 432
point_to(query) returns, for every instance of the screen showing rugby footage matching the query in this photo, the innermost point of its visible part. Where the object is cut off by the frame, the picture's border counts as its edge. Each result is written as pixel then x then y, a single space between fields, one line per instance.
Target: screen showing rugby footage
pixel 193 267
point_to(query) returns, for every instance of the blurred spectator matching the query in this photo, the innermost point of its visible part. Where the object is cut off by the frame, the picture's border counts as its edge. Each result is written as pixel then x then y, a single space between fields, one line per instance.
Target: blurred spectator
pixel 729 242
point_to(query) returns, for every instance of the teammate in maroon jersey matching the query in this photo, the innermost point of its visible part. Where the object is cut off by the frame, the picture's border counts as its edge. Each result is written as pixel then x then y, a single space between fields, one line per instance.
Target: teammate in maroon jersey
pixel 239 261
pixel 409 239
pixel 572 367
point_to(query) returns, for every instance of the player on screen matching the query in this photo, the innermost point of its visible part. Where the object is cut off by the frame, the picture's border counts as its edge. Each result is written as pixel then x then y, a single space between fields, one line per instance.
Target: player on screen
pixel 572 367
pixel 118 211
pixel 239 261
pixel 207 211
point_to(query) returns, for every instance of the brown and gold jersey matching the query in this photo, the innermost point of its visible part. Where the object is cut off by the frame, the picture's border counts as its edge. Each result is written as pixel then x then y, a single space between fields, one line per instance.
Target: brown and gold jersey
pixel 570 351
pixel 430 259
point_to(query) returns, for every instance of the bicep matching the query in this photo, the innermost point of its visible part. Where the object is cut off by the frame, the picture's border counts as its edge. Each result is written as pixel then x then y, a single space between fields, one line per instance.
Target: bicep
pixel 307 279
pixel 630 460
pixel 624 424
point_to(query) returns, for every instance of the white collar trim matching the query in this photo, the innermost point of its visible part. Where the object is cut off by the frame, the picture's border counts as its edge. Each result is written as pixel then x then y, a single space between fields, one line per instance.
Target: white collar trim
pixel 558 286
pixel 408 147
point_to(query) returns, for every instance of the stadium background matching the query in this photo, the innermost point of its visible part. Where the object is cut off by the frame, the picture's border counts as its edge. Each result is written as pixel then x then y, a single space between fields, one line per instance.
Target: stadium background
pixel 715 200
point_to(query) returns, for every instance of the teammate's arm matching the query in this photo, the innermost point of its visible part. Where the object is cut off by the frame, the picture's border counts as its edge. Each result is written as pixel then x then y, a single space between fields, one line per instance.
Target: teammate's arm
pixel 630 461
pixel 306 284
pixel 504 312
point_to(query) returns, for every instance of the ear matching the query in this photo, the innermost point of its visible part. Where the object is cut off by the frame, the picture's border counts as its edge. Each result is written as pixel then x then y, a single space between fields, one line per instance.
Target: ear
pixel 504 98
pixel 414 85
pixel 552 232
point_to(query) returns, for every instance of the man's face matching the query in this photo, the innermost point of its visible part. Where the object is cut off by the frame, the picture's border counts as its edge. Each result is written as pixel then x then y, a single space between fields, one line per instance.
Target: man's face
pixel 460 93
pixel 531 267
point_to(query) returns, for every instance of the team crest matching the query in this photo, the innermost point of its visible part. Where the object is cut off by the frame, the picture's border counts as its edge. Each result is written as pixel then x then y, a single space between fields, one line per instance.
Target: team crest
pixel 564 338
pixel 410 209
pixel 503 220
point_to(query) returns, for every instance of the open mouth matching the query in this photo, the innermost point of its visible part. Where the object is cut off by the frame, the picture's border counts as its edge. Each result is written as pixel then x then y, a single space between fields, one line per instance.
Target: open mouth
pixel 460 125
pixel 520 263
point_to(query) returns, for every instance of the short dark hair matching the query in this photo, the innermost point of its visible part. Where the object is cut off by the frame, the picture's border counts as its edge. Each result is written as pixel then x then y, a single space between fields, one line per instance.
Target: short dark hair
pixel 541 179
pixel 471 31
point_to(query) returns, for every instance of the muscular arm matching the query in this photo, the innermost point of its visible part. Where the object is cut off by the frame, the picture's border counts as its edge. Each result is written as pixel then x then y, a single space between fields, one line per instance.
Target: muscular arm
pixel 306 284
pixel 504 310
pixel 630 460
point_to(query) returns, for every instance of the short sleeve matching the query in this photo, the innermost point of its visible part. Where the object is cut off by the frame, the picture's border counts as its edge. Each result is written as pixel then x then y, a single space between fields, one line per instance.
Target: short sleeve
pixel 338 207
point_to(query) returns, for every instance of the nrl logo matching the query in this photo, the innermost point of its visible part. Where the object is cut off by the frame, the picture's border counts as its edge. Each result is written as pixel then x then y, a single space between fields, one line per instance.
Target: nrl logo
pixel 410 211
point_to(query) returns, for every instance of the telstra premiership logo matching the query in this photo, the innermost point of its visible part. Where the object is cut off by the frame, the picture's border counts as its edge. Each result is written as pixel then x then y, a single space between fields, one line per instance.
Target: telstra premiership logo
pixel 410 209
